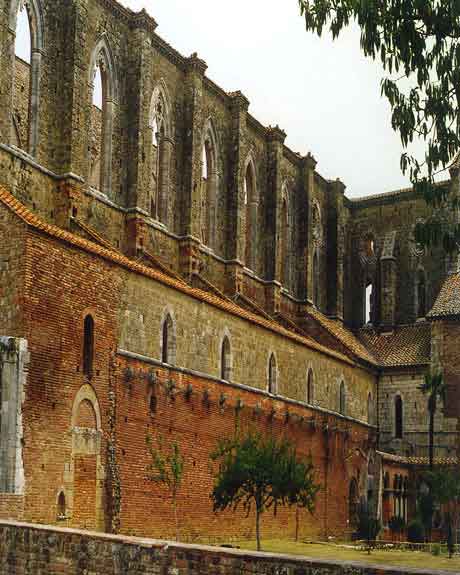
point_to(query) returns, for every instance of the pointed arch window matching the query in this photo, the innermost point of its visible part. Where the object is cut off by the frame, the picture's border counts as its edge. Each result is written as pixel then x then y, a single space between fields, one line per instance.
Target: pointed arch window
pixel 316 280
pixel 26 19
pixel 369 302
pixel 168 341
pixel 370 410
pixel 251 206
pixel 225 360
pixel 102 106
pixel 88 346
pixel 162 151
pixel 209 188
pixel 272 375
pixel 287 239
pixel 310 387
pixel 421 294
pixel 398 417
pixel 342 399
pixel 61 507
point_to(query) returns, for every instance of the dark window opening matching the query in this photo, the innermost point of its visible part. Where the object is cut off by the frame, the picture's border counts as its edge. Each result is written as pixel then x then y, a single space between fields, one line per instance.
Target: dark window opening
pixel 61 507
pixel 310 394
pixel 342 399
pixel 225 367
pixel 272 387
pixel 398 417
pixel 88 346
pixel 167 341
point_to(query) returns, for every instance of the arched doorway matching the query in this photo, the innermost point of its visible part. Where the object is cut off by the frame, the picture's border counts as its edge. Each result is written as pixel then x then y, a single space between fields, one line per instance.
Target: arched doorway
pixel 353 504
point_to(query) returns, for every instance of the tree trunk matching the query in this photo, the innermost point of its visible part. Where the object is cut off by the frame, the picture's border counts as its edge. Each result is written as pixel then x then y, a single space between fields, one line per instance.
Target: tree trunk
pixel 258 528
pixel 431 448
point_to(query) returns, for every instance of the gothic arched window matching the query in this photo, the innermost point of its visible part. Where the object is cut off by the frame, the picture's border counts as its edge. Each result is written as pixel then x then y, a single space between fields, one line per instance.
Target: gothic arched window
pixel 272 375
pixel 209 188
pixel 370 409
pixel 251 215
pixel 398 414
pixel 168 341
pixel 287 239
pixel 161 156
pixel 26 19
pixel 342 399
pixel 88 346
pixel 225 360
pixel 103 94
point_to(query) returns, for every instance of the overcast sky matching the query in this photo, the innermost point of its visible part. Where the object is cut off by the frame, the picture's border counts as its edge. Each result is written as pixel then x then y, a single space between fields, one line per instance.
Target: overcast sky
pixel 324 94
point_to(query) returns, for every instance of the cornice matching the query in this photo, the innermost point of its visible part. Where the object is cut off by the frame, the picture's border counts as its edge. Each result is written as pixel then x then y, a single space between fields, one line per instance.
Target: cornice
pixel 169 52
pixel 216 90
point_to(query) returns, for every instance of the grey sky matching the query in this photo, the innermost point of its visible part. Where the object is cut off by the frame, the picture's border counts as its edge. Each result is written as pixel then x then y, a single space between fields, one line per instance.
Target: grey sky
pixel 324 94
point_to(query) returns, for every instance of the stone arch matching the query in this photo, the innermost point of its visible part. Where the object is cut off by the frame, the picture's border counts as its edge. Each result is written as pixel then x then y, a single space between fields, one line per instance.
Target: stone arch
pixel 35 15
pixel 101 146
pixel 287 254
pixel 162 152
pixel 168 338
pixel 87 394
pixel 272 374
pixel 251 213
pixel 210 190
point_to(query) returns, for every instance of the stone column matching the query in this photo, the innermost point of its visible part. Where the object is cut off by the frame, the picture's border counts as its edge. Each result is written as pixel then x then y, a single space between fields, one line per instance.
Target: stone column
pixel 307 182
pixel 275 140
pixel 335 249
pixel 166 150
pixel 237 209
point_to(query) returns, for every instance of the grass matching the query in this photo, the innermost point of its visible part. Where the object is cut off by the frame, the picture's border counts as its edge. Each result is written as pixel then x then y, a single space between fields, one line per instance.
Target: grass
pixel 395 558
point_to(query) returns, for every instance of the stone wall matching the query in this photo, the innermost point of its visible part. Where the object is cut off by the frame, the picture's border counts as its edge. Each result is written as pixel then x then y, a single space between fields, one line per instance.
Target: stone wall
pixel 27 549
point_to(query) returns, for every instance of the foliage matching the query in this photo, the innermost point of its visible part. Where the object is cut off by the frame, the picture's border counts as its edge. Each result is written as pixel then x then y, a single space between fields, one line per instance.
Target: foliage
pixel 368 525
pixel 425 511
pixel 436 549
pixel 166 467
pixel 418 44
pixel 261 472
pixel 434 387
pixel 416 531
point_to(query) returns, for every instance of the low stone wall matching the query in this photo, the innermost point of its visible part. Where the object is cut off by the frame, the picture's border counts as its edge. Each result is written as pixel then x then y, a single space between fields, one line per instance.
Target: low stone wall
pixel 35 549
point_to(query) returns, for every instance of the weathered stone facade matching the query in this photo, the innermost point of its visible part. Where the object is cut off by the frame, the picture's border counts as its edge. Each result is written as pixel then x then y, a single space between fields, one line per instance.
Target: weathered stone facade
pixel 174 268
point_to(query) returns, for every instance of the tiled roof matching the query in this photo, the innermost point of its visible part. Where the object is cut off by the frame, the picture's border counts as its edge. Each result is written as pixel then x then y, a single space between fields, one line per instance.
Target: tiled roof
pixel 448 301
pixel 228 306
pixel 346 337
pixel 412 460
pixel 404 346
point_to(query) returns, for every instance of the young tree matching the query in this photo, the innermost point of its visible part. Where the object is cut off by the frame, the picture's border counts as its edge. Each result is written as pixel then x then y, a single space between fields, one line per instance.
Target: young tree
pixel 434 387
pixel 445 488
pixel 261 472
pixel 418 44
pixel 167 467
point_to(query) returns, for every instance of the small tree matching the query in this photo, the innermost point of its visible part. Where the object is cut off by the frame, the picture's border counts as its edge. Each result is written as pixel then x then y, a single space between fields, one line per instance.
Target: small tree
pixel 167 467
pixel 368 525
pixel 445 487
pixel 261 472
pixel 434 387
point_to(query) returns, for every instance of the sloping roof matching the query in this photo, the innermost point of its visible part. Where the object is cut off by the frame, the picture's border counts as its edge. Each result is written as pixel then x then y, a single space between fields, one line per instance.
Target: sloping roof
pixel 404 346
pixel 448 301
pixel 33 221
pixel 346 337
pixel 413 460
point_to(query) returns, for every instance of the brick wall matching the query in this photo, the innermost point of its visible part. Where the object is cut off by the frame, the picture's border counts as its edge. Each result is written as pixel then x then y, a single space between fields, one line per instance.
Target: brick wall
pixel 27 549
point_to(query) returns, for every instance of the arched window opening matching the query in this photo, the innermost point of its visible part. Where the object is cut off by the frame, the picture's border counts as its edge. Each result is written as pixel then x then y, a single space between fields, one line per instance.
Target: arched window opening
pixel 353 504
pixel 161 157
pixel 102 100
pixel 251 209
pixel 398 417
pixel 287 242
pixel 310 390
pixel 369 246
pixel 421 294
pixel 369 303
pixel 209 189
pixel 26 76
pixel 61 507
pixel 342 399
pixel 88 346
pixel 272 375
pixel 168 343
pixel 370 410
pixel 225 360
pixel 316 281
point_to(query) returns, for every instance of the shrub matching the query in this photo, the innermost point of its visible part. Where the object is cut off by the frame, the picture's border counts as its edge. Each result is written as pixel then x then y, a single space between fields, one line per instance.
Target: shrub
pixel 436 549
pixel 396 524
pixel 415 531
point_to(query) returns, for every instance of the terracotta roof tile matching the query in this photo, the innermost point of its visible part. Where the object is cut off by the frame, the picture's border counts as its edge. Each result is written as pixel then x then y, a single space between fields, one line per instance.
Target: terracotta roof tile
pixel 33 221
pixel 404 346
pixel 346 337
pixel 448 301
